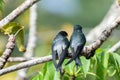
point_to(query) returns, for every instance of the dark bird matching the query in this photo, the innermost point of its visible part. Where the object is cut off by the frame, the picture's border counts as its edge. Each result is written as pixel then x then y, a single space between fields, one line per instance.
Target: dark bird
pixel 77 42
pixel 60 47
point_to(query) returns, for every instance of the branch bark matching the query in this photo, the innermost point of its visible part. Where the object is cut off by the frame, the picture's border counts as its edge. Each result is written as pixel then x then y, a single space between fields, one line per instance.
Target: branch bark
pixel 15 13
pixel 9 49
pixel 19 59
pixel 87 51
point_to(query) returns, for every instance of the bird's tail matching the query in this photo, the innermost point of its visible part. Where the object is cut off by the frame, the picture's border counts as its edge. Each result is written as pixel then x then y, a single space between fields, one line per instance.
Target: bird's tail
pixel 59 69
pixel 59 65
pixel 75 55
pixel 78 62
pixel 69 61
pixel 73 58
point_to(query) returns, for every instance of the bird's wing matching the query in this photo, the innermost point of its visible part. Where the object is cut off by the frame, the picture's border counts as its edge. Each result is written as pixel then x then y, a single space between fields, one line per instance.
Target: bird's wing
pixel 54 56
pixel 79 49
pixel 62 57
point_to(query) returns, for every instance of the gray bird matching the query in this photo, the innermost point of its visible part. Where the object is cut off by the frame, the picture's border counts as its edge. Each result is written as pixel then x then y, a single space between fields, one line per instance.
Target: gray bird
pixel 60 47
pixel 77 42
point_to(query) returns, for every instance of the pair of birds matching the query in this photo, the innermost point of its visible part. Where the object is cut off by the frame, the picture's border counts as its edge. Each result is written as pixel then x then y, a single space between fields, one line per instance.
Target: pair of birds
pixel 61 44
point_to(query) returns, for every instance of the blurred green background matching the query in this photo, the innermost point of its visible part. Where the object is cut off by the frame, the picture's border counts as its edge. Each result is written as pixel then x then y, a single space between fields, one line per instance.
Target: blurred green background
pixel 53 16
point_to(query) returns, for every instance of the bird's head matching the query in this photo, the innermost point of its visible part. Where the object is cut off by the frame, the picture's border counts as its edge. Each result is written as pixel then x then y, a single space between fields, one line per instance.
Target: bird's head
pixel 63 33
pixel 77 27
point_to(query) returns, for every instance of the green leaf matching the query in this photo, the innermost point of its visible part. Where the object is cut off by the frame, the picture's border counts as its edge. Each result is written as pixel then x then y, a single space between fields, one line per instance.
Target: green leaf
pixel 20 41
pixel 70 68
pixel 93 74
pixel 18 31
pixel 85 65
pixel 80 77
pixel 98 51
pixel 112 59
pixel 49 71
pixel 1 4
pixel 116 61
pixel 46 76
pixel 11 28
pixel 44 69
pixel 100 70
pixel 65 77
pixel 104 59
pixel 102 64
pixel 111 71
pixel 50 67
pixel 40 76
pixel 117 58
pixel 56 76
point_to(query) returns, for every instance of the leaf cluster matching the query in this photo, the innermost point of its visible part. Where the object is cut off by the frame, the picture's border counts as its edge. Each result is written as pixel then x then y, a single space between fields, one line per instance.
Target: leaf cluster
pixel 17 30
pixel 103 66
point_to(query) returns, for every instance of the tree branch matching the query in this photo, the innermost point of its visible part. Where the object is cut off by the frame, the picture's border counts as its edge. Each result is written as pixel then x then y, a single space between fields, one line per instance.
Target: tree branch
pixel 26 64
pixel 88 51
pixel 114 48
pixel 19 59
pixel 15 13
pixel 9 49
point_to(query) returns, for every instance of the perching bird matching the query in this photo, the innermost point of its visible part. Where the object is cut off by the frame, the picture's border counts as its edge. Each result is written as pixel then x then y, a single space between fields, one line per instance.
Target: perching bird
pixel 77 42
pixel 60 47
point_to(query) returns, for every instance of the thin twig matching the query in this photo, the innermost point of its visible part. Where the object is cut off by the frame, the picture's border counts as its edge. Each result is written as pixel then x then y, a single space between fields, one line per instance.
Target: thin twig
pixel 9 49
pixel 19 59
pixel 15 13
pixel 22 74
pixel 26 64
pixel 115 47
pixel 87 51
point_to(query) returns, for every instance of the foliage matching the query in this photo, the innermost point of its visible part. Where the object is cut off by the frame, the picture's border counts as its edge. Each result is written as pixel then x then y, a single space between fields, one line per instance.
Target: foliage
pixel 1 4
pixel 103 66
pixel 18 31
